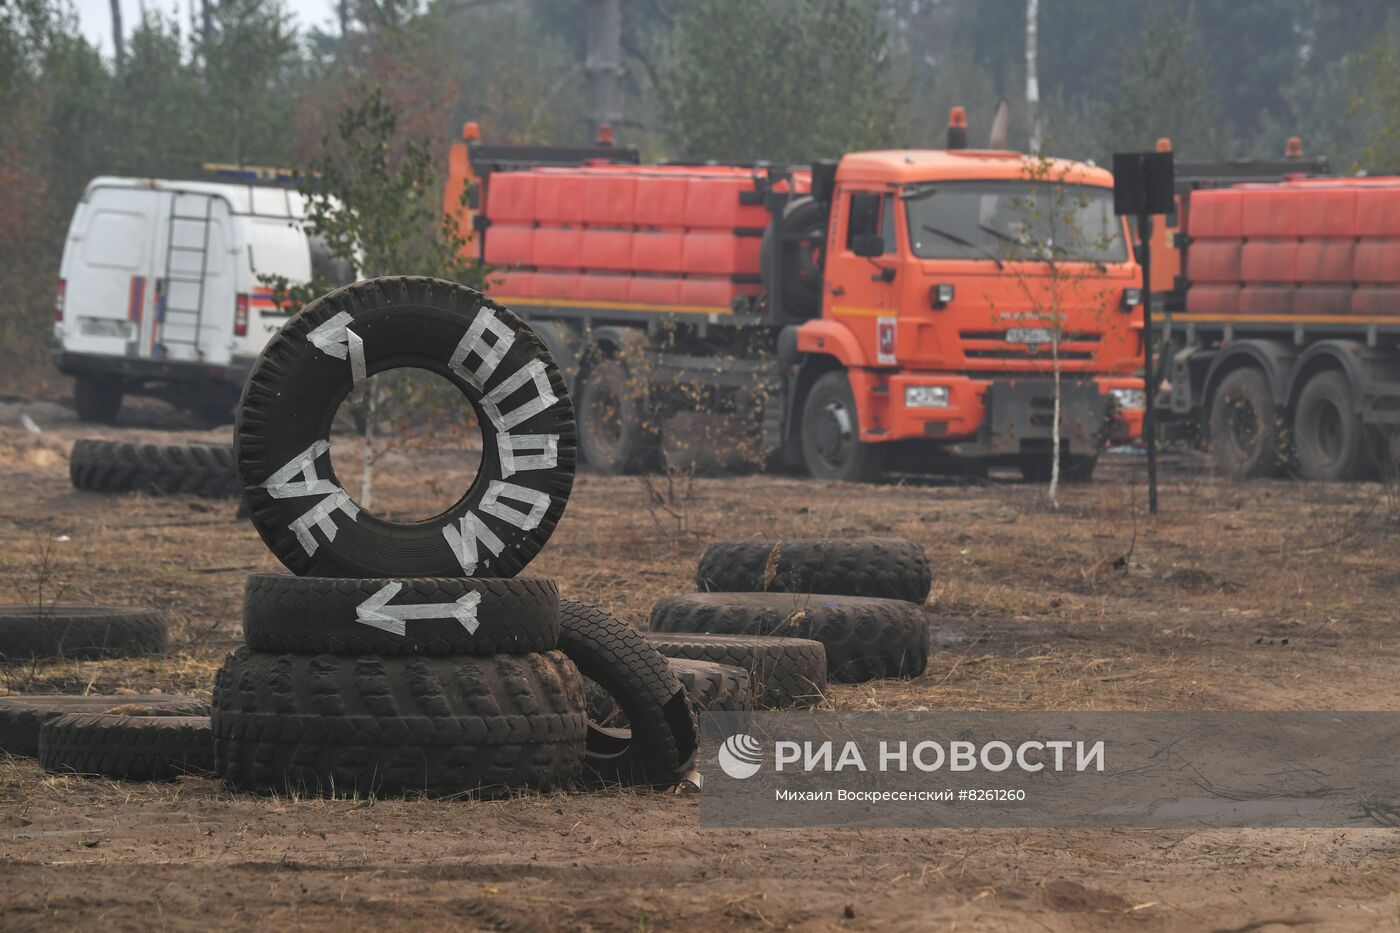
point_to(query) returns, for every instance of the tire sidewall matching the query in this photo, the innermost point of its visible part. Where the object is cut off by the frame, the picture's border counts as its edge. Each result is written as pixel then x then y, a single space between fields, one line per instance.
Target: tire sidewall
pixel 296 388
pixel 1327 388
pixel 830 387
pixel 1245 386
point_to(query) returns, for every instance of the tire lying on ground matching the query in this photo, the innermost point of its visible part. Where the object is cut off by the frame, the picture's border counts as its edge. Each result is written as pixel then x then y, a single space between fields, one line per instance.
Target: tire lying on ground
pixel 865 638
pixel 333 345
pixel 656 733
pixel 81 632
pixel 423 615
pixel 21 717
pixel 888 568
pixel 785 671
pixel 137 746
pixel 437 725
pixel 714 688
pixel 160 469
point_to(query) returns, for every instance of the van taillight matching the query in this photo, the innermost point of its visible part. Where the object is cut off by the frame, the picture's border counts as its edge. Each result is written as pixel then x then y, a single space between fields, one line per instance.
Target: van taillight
pixel 240 316
pixel 58 301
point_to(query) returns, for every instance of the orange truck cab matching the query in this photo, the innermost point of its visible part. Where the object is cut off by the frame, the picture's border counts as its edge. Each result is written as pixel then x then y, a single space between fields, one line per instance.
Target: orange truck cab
pixel 905 309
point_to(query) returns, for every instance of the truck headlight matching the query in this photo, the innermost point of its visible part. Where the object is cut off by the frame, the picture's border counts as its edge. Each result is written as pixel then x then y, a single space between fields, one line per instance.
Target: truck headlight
pixel 925 396
pixel 1135 399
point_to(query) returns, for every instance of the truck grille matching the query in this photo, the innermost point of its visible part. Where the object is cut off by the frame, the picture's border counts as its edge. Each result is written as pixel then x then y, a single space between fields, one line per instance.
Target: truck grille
pixel 993 345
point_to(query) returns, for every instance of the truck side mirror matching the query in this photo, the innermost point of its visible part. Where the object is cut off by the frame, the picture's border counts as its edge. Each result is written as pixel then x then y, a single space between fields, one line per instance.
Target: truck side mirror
pixel 868 245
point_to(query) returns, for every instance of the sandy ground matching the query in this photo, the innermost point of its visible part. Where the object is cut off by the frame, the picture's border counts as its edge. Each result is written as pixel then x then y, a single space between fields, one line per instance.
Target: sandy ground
pixel 1269 595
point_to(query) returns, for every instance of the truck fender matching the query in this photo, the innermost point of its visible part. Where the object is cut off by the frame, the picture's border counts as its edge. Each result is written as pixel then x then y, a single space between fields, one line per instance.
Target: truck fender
pixel 831 338
pixel 1273 357
pixel 1329 354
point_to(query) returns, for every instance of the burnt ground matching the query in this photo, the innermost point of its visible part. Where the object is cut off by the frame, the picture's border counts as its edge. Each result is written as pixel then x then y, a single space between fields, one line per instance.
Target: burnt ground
pixel 1265 595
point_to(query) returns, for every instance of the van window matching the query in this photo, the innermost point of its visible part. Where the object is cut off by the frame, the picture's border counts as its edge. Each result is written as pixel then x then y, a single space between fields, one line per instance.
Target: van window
pixel 115 240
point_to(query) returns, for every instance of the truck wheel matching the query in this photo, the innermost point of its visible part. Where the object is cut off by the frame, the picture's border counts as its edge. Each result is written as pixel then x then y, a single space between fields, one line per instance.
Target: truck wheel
pixel 1327 434
pixel 613 434
pixel 97 398
pixel 831 444
pixel 1244 426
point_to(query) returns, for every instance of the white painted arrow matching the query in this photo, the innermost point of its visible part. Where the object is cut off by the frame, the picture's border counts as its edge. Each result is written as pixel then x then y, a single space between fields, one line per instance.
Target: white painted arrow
pixel 377 612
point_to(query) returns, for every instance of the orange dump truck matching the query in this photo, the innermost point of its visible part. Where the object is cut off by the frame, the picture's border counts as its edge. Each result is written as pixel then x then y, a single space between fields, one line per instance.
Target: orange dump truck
pixel 861 315
pixel 1282 331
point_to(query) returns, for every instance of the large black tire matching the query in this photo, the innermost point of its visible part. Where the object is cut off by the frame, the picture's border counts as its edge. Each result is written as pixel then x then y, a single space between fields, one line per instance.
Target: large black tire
pixel 1246 432
pixel 659 735
pixel 615 435
pixel 785 672
pixel 865 638
pixel 330 724
pixel 1329 439
pixel 1074 468
pixel 714 688
pixel 307 369
pixel 314 615
pixel 831 444
pixel 803 256
pixel 133 748
pixel 22 716
pixel 890 568
pixel 160 469
pixel 81 632
pixel 97 398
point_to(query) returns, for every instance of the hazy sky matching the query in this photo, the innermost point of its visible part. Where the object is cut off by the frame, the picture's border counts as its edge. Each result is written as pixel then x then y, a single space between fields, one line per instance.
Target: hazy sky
pixel 95 16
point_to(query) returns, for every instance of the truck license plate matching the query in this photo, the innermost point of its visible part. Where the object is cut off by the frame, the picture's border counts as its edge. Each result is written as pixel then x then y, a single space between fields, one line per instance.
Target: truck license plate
pixel 1031 335
pixel 104 327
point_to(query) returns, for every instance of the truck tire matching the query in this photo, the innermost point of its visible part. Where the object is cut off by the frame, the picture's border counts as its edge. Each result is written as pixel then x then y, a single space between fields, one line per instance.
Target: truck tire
pixel 657 733
pixel 865 639
pixel 785 672
pixel 127 747
pixel 79 632
pixel 1245 431
pixel 889 568
pixel 1329 439
pixel 831 444
pixel 614 433
pixel 158 469
pixel 22 716
pixel 97 398
pixel 311 365
pixel 331 724
pixel 329 615
pixel 803 256
pixel 713 687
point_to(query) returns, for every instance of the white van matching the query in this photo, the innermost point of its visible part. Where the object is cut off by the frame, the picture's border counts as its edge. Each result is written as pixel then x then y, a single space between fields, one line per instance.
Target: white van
pixel 160 292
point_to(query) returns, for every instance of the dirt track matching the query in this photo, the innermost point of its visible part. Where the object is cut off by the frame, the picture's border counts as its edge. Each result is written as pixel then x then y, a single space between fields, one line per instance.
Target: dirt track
pixel 1086 607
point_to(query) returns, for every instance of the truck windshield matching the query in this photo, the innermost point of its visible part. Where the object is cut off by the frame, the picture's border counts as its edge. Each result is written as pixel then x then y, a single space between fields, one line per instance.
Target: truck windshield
pixel 1014 220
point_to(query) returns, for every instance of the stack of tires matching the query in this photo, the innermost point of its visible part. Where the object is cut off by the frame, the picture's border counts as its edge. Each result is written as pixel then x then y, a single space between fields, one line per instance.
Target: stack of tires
pixel 860 600
pixel 409 657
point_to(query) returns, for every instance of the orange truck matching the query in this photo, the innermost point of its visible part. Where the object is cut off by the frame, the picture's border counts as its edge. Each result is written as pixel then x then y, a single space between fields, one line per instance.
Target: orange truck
pixel 882 312
pixel 1281 330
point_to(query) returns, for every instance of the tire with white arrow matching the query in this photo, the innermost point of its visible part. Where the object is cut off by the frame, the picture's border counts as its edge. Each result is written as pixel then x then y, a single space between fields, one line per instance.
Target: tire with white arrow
pixel 413 615
pixel 326 352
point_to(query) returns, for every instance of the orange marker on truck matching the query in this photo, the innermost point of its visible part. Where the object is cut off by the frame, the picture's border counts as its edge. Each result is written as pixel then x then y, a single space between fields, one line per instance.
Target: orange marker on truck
pixel 880 312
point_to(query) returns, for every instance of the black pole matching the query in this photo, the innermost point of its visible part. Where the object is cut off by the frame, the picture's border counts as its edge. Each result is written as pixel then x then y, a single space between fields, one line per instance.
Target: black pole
pixel 1148 382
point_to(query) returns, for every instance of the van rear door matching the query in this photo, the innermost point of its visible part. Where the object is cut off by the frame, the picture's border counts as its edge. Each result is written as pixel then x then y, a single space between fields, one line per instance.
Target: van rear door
pixel 108 273
pixel 196 287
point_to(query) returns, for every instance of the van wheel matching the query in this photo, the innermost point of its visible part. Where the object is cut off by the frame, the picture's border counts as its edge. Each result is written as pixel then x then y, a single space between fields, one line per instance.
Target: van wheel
pixel 831 444
pixel 1328 436
pixel 614 433
pixel 97 398
pixel 1245 434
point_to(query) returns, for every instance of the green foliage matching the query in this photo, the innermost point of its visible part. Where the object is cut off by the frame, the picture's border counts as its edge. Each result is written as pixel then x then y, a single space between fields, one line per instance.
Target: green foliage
pixel 376 201
pixel 1163 89
pixel 781 80
pixel 1378 98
